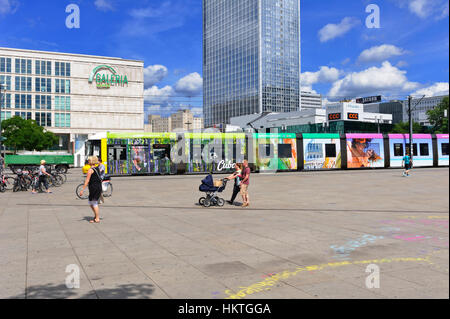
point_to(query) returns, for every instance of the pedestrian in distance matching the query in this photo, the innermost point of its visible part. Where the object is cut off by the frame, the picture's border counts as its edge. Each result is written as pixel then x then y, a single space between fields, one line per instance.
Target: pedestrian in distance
pixel 42 179
pixel 244 184
pixel 237 181
pixel 101 168
pixel 407 164
pixel 94 182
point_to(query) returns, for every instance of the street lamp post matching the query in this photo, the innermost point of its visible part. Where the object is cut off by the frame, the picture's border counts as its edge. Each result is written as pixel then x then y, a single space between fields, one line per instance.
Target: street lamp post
pixel 410 109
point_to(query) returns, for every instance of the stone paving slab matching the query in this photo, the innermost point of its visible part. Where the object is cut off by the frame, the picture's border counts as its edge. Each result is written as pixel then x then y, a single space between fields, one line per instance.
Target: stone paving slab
pixel 305 235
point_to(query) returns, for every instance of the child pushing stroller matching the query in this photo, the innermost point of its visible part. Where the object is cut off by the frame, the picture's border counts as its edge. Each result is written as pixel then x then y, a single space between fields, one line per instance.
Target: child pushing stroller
pixel 212 188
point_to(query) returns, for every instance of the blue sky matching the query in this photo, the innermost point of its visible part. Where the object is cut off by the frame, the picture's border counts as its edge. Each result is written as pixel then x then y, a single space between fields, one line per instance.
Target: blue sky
pixel 341 57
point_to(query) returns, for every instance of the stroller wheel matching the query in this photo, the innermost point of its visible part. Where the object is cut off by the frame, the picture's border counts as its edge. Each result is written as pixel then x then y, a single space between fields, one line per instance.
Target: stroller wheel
pixel 220 202
pixel 207 202
pixel 201 200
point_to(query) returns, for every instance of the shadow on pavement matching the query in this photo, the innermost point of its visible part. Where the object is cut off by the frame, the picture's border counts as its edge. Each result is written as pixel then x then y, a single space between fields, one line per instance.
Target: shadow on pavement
pixel 50 291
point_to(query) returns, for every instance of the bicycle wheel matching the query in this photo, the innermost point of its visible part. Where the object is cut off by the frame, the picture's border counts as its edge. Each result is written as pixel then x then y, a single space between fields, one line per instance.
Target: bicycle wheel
pixel 201 200
pixel 85 193
pixel 109 191
pixel 59 179
pixel 10 181
pixel 2 188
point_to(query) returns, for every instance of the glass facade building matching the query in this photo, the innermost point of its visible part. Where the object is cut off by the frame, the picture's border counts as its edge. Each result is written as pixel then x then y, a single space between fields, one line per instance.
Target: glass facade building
pixel 251 58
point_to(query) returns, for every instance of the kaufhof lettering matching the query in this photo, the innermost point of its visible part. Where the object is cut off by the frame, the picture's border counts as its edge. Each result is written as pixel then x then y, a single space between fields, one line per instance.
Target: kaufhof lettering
pixel 106 80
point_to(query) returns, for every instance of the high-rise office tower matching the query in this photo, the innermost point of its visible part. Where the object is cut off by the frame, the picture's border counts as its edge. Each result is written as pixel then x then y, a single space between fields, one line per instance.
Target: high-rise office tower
pixel 251 58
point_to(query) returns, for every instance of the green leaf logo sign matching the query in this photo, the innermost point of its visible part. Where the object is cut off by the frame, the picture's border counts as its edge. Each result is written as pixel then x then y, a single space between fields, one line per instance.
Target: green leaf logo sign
pixel 105 81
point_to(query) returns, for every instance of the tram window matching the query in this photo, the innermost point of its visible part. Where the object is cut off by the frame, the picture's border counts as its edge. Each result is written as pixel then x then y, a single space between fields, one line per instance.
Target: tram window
pixel 117 153
pixel 330 150
pixel 444 148
pixel 161 151
pixel 284 150
pixel 424 149
pixel 414 149
pixel 398 149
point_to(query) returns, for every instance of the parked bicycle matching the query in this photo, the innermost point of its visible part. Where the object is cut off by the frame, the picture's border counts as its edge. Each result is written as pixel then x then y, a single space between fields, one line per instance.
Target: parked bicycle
pixel 107 188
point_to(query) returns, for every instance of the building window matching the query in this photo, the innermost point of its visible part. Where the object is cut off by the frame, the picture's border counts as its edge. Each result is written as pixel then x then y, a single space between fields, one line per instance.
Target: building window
pixel 5 116
pixel 5 65
pixel 43 85
pixel 24 115
pixel 22 101
pixel 22 83
pixel 43 102
pixel 62 86
pixel 23 66
pixel 5 81
pixel 43 68
pixel 62 69
pixel 62 119
pixel 6 101
pixel 43 119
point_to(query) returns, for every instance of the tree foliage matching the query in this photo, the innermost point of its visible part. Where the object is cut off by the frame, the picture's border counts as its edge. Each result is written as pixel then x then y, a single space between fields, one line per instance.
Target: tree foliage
pixel 403 128
pixel 437 117
pixel 23 134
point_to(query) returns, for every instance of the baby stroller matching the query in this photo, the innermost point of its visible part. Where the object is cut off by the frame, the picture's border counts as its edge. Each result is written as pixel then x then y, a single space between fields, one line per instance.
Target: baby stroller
pixel 211 191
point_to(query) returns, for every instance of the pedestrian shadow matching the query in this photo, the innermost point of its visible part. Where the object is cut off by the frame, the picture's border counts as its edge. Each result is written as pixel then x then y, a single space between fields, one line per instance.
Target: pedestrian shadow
pixel 89 218
pixel 51 291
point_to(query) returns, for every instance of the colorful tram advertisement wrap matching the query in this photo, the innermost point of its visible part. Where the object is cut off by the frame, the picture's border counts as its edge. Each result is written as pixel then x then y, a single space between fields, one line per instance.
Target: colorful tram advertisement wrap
pixel 179 153
pixel 321 151
pixel 442 149
pixel 365 150
pixel 422 149
pixel 275 152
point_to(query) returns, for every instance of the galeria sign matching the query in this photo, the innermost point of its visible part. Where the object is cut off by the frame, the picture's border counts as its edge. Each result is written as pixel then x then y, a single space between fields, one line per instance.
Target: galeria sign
pixel 108 79
pixel 222 165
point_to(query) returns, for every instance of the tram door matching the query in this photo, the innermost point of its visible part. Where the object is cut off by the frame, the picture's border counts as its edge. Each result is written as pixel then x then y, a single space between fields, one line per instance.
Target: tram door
pixel 161 158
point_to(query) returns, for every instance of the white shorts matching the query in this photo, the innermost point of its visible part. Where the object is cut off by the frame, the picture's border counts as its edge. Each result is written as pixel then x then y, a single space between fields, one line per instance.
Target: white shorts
pixel 93 203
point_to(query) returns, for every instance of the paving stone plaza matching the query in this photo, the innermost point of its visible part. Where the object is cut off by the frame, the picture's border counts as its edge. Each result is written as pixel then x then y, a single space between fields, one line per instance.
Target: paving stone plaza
pixel 339 234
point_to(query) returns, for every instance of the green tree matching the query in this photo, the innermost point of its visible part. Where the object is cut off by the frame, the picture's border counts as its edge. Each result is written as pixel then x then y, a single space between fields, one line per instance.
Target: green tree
pixel 403 128
pixel 437 117
pixel 23 134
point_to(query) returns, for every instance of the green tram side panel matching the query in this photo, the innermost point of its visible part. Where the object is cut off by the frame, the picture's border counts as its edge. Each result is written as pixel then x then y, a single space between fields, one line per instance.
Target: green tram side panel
pixel 36 159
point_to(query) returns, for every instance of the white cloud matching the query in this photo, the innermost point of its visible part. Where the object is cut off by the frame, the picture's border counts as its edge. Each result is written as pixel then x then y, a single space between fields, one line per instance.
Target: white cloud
pixel 104 5
pixel 197 111
pixel 402 64
pixel 154 74
pixel 324 75
pixel 422 8
pixel 190 85
pixel 8 6
pixel 380 53
pixel 331 31
pixel 158 95
pixel 426 8
pixel 438 88
pixel 375 80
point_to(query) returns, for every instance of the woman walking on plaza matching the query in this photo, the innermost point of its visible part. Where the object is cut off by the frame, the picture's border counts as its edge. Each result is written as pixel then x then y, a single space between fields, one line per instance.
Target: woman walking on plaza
pixel 94 181
pixel 237 181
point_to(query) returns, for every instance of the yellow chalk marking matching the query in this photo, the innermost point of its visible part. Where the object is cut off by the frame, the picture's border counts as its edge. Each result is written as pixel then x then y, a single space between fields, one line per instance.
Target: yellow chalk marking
pixel 272 280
